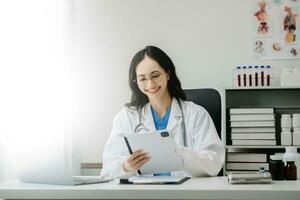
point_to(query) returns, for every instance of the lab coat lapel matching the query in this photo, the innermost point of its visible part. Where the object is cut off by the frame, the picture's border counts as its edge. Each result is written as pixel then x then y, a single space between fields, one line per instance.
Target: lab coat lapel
pixel 147 117
pixel 175 115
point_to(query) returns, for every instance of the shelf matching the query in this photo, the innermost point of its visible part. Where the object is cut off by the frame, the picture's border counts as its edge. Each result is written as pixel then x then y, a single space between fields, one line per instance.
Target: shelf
pixel 287 107
pixel 256 147
pixel 282 99
pixel 262 88
pixel 275 107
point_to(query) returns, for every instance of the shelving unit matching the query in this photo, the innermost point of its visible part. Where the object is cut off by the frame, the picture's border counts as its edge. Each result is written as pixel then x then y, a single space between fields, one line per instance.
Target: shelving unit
pixel 282 99
pixel 256 147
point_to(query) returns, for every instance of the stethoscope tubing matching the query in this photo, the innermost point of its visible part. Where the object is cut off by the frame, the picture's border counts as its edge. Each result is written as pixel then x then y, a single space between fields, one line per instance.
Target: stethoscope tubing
pixel 141 126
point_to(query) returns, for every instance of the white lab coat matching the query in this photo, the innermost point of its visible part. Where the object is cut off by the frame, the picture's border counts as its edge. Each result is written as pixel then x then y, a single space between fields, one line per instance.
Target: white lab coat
pixel 203 156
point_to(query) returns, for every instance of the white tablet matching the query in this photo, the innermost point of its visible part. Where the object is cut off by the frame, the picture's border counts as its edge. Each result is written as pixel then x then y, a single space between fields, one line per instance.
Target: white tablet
pixel 161 148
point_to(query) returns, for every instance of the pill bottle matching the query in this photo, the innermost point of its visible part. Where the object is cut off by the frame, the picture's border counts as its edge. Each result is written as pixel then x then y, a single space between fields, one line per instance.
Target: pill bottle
pixel 290 170
pixel 291 154
pixel 276 167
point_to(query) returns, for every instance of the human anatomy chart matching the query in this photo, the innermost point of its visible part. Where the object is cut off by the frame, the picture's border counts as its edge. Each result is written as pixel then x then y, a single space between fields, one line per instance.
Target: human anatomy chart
pixel 275 29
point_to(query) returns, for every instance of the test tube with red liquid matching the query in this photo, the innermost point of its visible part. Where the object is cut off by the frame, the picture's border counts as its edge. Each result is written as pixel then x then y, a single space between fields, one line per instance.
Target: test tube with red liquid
pixel 262 75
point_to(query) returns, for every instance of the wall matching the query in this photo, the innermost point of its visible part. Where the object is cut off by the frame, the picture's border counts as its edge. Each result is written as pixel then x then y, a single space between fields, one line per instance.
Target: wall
pixel 205 39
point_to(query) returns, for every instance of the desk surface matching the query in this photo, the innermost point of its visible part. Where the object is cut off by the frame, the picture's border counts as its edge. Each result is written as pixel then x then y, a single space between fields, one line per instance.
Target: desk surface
pixel 197 188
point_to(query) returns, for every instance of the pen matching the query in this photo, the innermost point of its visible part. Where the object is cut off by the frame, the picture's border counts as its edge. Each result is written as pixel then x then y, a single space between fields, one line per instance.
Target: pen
pixel 130 151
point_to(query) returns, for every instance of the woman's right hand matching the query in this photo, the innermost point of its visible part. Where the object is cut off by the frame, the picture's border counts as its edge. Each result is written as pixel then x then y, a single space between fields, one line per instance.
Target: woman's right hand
pixel 136 160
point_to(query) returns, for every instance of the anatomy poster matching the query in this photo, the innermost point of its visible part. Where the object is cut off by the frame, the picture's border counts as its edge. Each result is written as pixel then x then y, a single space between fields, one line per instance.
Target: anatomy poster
pixel 276 25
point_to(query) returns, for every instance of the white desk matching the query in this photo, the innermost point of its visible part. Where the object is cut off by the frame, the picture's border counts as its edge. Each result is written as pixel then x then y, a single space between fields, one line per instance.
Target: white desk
pixel 198 188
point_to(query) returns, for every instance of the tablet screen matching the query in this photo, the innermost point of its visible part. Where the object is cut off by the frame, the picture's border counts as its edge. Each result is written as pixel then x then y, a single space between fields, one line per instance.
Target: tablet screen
pixel 161 148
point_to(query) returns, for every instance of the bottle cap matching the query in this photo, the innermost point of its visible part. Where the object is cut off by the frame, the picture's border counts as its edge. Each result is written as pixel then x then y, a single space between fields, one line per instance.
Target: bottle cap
pixel 285 116
pixel 250 67
pixel 291 150
pixel 238 67
pixel 262 66
pixel 244 67
pixel 290 157
pixel 296 115
pixel 268 66
pixel 256 66
pixel 279 154
pixel 276 157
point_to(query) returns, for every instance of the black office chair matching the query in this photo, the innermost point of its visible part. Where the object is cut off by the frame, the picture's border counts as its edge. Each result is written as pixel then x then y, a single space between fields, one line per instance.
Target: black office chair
pixel 209 99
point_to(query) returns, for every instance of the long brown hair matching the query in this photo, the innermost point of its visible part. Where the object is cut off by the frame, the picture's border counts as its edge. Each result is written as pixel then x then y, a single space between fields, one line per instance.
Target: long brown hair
pixel 139 99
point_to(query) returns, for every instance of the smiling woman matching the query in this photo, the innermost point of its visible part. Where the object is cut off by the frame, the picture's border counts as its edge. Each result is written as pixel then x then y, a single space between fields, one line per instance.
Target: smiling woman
pixel 159 103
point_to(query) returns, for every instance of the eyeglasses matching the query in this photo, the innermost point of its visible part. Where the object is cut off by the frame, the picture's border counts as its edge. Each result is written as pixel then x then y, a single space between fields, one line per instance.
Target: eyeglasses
pixel 143 79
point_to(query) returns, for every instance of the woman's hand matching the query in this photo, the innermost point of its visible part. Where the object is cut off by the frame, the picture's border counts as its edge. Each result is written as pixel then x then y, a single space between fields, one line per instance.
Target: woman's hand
pixel 136 160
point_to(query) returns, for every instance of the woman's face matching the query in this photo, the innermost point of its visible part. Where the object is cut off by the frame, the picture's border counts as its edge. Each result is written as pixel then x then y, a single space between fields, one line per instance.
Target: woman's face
pixel 152 79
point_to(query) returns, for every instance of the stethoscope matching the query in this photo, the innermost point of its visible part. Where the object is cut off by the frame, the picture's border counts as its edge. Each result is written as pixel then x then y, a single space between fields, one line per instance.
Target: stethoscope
pixel 140 126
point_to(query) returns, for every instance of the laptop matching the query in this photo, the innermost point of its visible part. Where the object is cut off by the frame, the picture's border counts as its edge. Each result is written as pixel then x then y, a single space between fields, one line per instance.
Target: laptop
pixel 44 162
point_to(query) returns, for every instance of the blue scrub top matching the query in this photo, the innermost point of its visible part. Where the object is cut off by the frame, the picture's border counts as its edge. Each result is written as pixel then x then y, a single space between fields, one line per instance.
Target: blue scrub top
pixel 161 124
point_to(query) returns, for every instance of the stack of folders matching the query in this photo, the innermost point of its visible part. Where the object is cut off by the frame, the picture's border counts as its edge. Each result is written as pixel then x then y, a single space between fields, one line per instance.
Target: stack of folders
pixel 252 126
pixel 245 162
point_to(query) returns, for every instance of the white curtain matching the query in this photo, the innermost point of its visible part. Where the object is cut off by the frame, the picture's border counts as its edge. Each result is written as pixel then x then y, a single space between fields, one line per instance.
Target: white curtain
pixel 35 78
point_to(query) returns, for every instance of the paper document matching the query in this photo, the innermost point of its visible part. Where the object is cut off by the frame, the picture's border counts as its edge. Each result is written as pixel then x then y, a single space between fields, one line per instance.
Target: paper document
pixel 157 179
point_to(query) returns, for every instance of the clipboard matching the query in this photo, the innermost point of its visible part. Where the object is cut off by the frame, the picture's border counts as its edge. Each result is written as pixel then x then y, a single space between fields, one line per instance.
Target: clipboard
pixel 160 146
pixel 154 180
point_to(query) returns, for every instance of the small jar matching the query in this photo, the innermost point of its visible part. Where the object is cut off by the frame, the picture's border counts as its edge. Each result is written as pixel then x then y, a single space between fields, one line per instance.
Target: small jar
pixel 276 167
pixel 290 170
pixel 286 138
pixel 291 154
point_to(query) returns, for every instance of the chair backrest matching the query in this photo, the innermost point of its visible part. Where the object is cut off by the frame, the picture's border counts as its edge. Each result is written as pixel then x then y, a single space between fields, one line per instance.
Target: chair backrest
pixel 210 99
